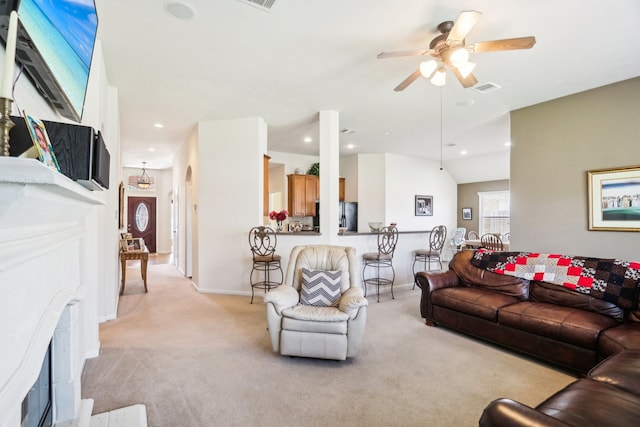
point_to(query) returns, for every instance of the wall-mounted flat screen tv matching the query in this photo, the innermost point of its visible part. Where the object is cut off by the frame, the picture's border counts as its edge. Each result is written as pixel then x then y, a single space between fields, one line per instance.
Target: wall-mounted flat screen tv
pixel 55 45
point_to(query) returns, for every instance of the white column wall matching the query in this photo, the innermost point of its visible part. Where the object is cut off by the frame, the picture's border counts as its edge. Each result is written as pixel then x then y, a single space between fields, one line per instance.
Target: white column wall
pixel 230 195
pixel 329 173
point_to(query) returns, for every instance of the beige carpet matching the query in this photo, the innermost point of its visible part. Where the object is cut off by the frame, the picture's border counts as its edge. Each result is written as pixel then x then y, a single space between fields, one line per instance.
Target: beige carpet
pixel 206 360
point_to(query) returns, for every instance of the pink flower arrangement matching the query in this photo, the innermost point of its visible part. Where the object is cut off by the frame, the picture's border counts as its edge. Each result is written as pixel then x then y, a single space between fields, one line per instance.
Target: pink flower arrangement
pixel 278 216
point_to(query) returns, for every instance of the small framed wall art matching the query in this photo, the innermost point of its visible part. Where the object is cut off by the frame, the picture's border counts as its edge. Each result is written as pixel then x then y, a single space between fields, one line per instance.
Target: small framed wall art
pixel 424 205
pixel 614 199
pixel 466 213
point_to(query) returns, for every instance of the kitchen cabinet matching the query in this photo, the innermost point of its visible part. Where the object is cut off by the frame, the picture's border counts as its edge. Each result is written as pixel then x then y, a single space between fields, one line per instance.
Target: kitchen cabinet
pixel 303 193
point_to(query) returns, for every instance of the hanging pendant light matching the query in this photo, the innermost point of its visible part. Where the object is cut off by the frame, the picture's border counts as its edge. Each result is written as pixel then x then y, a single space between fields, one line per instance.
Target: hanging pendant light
pixel 143 180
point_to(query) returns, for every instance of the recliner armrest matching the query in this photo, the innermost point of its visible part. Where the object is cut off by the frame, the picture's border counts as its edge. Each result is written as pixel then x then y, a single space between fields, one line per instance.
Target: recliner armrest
pixel 507 412
pixel 282 297
pixel 351 301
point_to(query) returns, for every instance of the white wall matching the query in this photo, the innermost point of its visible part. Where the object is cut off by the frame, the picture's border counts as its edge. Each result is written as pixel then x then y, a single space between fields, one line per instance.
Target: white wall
pixel 230 195
pixel 186 159
pixel 371 190
pixel 407 177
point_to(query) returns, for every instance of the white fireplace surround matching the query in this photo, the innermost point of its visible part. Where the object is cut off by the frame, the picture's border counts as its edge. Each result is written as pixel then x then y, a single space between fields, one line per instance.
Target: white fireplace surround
pixel 47 238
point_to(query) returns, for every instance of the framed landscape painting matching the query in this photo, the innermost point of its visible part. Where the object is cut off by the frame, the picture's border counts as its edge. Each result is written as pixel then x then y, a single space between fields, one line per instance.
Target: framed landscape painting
pixel 614 199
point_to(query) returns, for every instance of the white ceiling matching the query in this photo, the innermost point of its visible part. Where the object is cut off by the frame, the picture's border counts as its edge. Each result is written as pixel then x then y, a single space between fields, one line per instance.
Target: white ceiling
pixel 233 60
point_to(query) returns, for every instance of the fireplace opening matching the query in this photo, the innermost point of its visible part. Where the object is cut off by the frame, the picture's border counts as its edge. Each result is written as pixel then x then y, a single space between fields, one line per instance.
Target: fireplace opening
pixel 36 406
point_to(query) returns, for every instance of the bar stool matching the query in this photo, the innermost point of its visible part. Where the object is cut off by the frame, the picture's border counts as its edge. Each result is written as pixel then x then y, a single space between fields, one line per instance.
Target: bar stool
pixel 436 242
pixel 387 240
pixel 262 241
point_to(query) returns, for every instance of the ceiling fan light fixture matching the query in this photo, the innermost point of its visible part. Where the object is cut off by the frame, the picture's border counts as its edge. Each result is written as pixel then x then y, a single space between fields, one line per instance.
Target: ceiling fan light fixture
pixel 427 68
pixel 439 77
pixel 466 68
pixel 459 57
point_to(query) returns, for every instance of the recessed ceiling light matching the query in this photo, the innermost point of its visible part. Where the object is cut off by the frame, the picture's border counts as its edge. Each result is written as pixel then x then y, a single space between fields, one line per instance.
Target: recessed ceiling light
pixel 351 146
pixel 463 152
pixel 387 132
pixel 159 125
pixel 152 149
pixel 507 144
pixel 179 10
pixel 307 139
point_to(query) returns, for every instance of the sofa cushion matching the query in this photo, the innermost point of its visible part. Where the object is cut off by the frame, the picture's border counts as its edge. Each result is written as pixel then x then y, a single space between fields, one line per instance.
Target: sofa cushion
pixel 554 294
pixel 570 325
pixel 477 302
pixel 477 277
pixel 320 288
pixel 622 337
pixel 621 370
pixel 588 403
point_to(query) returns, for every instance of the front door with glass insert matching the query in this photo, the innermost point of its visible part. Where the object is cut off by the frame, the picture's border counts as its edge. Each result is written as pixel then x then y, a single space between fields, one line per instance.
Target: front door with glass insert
pixel 141 219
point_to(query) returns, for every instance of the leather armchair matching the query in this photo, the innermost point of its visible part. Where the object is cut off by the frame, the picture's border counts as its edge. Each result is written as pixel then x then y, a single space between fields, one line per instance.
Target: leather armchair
pixel 296 329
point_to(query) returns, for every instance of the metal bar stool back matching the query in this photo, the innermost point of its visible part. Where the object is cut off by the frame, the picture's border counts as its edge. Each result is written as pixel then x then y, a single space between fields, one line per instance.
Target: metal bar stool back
pixel 437 237
pixel 387 241
pixel 262 241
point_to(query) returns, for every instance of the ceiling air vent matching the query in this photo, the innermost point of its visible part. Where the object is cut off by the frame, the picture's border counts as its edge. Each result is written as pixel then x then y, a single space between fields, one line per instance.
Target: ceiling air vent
pixel 265 5
pixel 487 87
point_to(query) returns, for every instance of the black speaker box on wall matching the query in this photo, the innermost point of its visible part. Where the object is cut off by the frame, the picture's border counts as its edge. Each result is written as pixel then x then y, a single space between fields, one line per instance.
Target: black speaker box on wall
pixel 81 152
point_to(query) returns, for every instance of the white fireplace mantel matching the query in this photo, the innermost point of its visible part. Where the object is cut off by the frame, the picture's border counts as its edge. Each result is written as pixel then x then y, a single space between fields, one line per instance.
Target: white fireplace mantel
pixel 43 247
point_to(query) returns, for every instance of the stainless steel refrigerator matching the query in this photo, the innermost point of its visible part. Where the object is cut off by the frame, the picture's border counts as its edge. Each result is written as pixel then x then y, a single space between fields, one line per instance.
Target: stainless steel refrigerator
pixel 349 215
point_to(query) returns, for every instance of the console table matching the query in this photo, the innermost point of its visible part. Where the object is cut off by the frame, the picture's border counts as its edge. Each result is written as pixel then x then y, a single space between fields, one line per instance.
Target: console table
pixel 143 256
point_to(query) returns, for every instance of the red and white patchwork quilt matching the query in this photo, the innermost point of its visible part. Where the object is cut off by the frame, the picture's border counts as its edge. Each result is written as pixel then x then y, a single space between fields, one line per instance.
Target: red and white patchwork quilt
pixel 608 279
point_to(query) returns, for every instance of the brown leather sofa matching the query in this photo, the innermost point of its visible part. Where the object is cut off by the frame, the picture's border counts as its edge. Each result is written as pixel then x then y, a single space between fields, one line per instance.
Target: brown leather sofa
pixel 608 396
pixel 572 330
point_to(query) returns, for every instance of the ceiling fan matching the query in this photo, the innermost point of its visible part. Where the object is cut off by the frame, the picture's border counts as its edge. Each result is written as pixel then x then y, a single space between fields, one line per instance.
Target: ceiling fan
pixel 449 50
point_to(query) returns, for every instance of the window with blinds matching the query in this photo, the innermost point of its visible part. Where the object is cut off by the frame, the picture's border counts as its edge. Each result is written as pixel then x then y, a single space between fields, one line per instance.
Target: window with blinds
pixel 495 212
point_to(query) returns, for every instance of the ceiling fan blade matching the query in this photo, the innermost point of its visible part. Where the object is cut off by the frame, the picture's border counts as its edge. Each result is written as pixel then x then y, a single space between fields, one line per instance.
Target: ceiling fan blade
pixel 421 52
pixel 504 44
pixel 465 22
pixel 406 82
pixel 466 82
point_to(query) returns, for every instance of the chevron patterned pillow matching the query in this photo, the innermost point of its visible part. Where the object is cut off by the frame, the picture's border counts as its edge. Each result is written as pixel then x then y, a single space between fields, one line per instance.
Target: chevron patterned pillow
pixel 320 288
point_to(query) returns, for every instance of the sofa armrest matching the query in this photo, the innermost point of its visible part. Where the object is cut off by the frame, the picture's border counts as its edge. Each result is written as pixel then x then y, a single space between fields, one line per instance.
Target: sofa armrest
pixel 351 301
pixel 437 280
pixel 429 282
pixel 507 412
pixel 282 297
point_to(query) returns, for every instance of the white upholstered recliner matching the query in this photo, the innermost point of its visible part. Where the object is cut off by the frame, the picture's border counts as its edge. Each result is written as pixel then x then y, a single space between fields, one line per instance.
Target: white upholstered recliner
pixel 298 329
